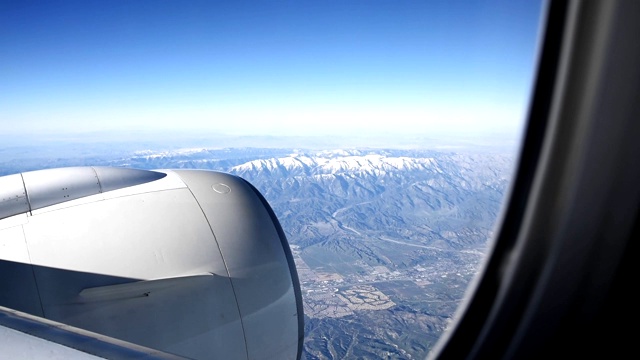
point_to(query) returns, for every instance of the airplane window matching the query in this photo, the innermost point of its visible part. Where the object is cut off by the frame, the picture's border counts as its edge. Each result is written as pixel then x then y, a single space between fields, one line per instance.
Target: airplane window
pixel 382 134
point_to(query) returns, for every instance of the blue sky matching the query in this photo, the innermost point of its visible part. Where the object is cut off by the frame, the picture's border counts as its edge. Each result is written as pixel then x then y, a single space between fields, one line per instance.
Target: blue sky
pixel 402 68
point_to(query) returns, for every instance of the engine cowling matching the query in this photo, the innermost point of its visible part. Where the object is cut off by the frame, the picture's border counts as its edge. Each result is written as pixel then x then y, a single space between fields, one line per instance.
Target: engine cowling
pixel 190 262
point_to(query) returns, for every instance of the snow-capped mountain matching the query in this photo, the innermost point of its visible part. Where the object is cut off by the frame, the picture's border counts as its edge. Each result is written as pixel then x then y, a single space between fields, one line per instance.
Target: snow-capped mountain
pixel 439 169
pixel 337 163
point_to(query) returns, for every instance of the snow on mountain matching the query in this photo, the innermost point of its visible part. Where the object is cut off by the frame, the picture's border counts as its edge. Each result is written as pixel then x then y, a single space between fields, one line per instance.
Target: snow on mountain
pixel 337 162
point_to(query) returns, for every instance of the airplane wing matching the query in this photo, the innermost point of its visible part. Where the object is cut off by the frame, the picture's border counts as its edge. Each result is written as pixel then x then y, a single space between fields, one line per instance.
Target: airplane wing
pixel 188 262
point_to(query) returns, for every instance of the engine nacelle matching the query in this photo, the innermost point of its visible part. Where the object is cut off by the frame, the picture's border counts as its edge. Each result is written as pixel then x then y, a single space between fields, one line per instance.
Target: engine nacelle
pixel 190 262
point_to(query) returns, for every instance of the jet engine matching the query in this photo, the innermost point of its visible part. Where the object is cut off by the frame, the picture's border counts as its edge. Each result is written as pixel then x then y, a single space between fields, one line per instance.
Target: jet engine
pixel 189 262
